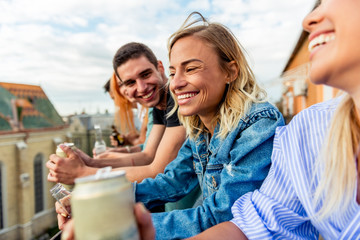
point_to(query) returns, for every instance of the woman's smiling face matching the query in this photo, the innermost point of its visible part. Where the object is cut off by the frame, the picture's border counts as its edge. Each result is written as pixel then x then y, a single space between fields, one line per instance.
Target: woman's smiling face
pixel 196 78
pixel 334 43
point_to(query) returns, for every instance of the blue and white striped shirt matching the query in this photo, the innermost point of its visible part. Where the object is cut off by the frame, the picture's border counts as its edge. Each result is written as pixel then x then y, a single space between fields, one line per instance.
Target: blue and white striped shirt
pixel 280 209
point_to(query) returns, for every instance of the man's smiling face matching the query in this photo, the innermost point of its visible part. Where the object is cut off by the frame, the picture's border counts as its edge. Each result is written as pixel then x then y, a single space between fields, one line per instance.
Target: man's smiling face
pixel 143 81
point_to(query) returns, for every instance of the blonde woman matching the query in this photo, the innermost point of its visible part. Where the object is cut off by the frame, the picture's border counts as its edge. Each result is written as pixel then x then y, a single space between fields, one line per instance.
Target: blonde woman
pixel 230 130
pixel 229 125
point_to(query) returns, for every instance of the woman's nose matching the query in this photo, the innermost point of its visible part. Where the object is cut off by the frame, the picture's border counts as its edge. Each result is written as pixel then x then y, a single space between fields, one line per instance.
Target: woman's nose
pixel 313 18
pixel 177 81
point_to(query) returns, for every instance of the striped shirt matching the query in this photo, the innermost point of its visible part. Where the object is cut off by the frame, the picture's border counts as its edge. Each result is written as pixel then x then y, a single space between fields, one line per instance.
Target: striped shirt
pixel 280 209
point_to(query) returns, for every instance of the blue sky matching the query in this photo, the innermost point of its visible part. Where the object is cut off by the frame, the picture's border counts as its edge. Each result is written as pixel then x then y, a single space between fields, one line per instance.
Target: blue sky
pixel 67 46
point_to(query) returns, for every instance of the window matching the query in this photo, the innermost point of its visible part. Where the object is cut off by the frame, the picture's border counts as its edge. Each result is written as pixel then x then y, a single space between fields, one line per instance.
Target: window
pixel 77 141
pixel 38 183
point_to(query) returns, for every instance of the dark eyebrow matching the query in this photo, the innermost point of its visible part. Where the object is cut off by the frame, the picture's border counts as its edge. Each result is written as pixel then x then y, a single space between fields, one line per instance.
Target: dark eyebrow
pixel 145 71
pixel 140 74
pixel 188 61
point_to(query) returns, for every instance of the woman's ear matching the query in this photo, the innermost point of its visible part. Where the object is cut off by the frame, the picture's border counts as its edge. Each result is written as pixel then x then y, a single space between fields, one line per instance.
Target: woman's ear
pixel 233 71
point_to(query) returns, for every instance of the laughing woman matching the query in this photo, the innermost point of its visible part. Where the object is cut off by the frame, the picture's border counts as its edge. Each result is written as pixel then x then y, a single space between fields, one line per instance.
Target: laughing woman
pixel 230 130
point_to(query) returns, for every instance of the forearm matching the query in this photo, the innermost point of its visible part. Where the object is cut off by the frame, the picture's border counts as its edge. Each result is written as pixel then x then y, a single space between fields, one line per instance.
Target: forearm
pixel 132 159
pixel 228 229
pixel 139 173
pixel 135 149
pixel 127 149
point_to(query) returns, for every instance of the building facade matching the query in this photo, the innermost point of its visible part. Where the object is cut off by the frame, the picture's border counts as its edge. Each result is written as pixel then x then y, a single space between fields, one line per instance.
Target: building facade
pixel 30 130
pixel 298 91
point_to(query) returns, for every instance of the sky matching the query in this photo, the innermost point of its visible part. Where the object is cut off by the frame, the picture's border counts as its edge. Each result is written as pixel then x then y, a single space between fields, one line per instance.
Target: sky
pixel 67 46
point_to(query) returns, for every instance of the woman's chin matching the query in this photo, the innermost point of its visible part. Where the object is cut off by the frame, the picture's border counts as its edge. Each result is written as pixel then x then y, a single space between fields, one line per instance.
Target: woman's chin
pixel 186 113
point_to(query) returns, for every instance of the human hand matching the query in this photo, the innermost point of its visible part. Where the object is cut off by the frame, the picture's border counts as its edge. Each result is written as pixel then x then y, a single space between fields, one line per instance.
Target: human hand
pixel 65 170
pixel 113 141
pixel 143 218
pixel 144 222
pixel 63 210
pixel 68 231
pixel 84 157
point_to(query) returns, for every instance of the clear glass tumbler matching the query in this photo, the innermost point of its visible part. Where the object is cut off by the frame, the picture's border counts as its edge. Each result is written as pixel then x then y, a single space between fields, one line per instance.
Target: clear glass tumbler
pixel 59 192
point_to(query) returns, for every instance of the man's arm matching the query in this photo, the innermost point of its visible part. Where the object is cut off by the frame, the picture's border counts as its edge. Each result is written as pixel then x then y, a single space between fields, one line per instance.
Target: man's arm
pixel 135 159
pixel 126 149
pixel 167 150
pixel 163 146
pixel 79 164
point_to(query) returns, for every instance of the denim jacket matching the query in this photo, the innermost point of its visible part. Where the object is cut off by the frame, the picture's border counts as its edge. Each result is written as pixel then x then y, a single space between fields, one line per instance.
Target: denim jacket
pixel 225 169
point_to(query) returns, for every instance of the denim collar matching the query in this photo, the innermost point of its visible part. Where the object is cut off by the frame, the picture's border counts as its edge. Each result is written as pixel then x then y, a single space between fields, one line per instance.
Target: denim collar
pixel 213 145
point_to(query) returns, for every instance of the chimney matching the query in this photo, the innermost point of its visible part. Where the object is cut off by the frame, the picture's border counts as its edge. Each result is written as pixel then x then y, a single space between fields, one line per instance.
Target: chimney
pixel 17 110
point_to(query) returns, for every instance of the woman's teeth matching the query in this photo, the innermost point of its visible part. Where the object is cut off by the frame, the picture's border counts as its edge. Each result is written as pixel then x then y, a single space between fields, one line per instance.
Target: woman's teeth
pixel 320 40
pixel 188 95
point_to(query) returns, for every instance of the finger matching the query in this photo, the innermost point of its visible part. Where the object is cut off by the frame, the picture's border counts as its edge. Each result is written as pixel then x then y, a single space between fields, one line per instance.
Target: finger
pixel 61 221
pixel 50 165
pixel 68 150
pixel 144 221
pixel 62 177
pixel 66 201
pixel 60 210
pixel 51 178
pixel 68 231
pixel 53 159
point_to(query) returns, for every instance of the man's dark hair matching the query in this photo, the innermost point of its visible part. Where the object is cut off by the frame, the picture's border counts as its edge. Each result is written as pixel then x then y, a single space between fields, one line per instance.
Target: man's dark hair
pixel 107 86
pixel 133 50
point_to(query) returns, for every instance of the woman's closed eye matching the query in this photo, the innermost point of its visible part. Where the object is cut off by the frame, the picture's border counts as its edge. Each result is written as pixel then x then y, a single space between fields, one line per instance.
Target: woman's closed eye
pixel 190 69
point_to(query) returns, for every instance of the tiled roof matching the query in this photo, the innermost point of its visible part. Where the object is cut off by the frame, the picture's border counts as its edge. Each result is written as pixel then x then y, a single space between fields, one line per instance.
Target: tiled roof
pixel 33 108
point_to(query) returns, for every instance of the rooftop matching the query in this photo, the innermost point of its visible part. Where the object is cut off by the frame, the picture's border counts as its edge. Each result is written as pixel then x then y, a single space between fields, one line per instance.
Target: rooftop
pixel 26 107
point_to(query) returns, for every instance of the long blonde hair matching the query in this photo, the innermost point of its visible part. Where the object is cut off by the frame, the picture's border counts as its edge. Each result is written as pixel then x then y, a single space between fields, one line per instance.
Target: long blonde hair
pixel 240 93
pixel 337 180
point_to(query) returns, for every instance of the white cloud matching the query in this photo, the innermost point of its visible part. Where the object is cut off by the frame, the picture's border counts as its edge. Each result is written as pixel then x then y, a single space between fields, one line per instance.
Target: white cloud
pixel 67 46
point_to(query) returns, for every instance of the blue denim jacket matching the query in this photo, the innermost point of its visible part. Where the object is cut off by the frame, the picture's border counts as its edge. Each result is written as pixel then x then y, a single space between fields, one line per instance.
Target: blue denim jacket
pixel 225 169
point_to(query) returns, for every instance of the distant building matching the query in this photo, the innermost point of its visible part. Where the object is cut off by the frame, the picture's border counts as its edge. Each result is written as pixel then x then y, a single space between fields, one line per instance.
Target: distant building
pixel 298 91
pixel 82 129
pixel 30 130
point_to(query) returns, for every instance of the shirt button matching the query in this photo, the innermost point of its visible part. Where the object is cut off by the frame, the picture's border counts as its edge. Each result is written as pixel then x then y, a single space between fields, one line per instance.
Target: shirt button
pixel 213 182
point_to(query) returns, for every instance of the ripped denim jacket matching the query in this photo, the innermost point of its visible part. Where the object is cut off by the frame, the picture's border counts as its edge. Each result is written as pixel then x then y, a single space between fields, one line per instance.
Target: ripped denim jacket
pixel 225 169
